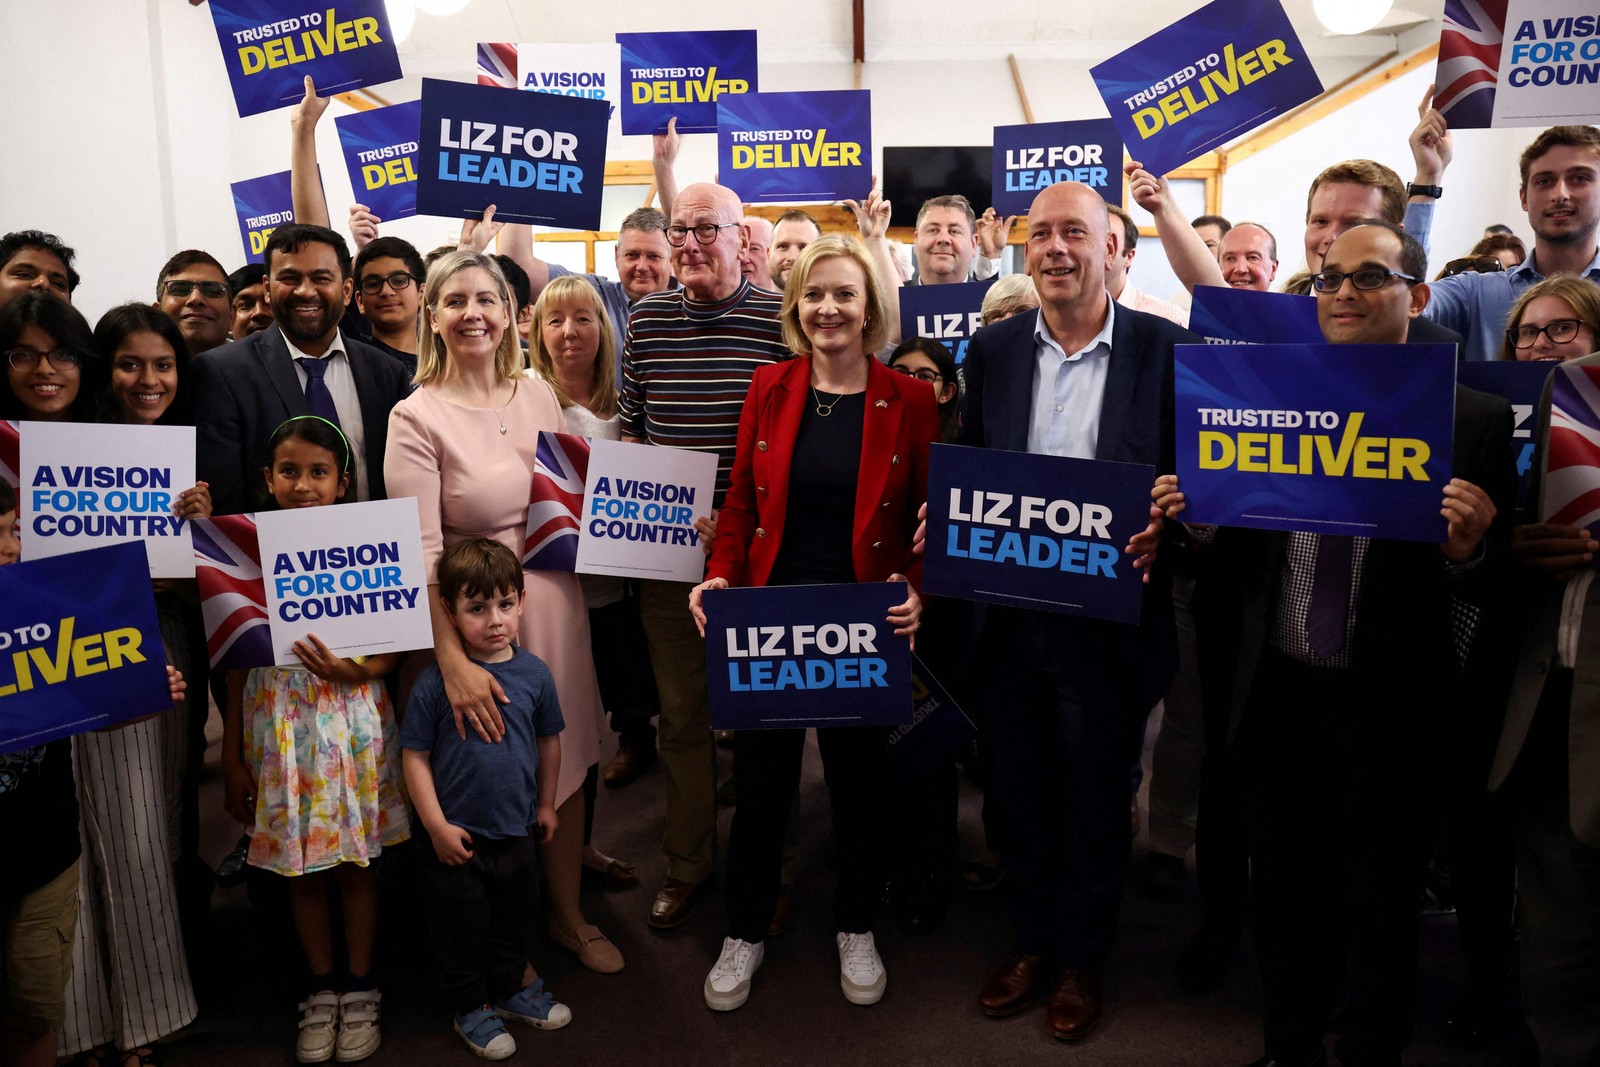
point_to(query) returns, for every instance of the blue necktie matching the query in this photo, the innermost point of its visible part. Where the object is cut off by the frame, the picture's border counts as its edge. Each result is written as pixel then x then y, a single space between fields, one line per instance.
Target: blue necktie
pixel 1328 614
pixel 318 400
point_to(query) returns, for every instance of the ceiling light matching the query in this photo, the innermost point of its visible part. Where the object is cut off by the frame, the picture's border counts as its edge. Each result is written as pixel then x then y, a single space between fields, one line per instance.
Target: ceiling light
pixel 441 7
pixel 1351 16
pixel 402 16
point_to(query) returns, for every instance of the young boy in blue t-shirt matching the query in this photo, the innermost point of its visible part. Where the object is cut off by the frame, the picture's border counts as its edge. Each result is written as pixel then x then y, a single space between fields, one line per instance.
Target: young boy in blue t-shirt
pixel 484 804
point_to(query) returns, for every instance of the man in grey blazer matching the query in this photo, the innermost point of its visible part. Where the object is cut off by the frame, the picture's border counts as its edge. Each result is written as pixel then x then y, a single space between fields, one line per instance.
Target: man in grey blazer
pixel 301 365
pixel 1547 765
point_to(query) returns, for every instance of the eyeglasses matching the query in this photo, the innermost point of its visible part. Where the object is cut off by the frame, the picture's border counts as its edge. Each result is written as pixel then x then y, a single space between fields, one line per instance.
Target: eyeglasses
pixel 1560 332
pixel 1367 278
pixel 27 358
pixel 182 289
pixel 1473 264
pixel 923 375
pixel 374 283
pixel 705 233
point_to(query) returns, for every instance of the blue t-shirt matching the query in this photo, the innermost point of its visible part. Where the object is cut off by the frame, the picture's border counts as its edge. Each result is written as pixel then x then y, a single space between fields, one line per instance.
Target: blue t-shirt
pixel 490 790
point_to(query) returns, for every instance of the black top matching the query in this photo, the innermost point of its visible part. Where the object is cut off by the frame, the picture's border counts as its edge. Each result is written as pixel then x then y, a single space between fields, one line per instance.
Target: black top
pixel 819 525
pixel 38 817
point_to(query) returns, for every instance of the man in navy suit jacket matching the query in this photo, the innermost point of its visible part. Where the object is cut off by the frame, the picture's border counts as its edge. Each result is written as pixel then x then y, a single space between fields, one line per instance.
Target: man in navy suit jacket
pixel 1067 697
pixel 246 389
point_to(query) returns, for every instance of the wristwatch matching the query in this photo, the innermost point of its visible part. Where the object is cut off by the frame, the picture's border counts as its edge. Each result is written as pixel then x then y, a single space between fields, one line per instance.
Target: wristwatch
pixel 1435 191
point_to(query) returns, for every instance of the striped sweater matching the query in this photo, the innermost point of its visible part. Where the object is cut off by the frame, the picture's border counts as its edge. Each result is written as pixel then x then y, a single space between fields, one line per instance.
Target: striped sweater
pixel 686 368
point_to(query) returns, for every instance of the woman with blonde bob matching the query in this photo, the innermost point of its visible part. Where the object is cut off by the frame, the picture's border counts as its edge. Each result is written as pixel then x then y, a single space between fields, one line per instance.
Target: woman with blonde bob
pixel 1011 295
pixel 831 467
pixel 1554 320
pixel 463 443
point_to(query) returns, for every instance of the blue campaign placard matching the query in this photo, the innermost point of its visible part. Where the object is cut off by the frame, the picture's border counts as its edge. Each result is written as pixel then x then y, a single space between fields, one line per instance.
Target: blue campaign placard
pixel 1036 531
pixel 792 147
pixel 1225 315
pixel 1522 384
pixel 270 46
pixel 1037 155
pixel 1205 80
pixel 937 730
pixel 683 74
pixel 947 313
pixel 789 657
pixel 539 158
pixel 80 646
pixel 380 152
pixel 1336 439
pixel 262 205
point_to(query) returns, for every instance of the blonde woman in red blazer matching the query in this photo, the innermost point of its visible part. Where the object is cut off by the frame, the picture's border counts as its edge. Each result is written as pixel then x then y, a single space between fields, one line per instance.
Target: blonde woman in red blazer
pixel 831 468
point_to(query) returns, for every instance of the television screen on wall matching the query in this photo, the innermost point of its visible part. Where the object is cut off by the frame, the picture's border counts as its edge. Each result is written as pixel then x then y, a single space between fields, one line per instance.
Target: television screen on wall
pixel 912 175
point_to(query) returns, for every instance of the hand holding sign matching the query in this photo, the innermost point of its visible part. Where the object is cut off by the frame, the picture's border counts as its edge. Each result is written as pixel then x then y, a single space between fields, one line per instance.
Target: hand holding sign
pixel 1557 551
pixel 194 502
pixel 906 617
pixel 477 233
pixel 696 600
pixel 1470 513
pixel 321 661
pixel 1148 191
pixel 1431 146
pixel 1144 545
pixel 308 112
pixel 363 226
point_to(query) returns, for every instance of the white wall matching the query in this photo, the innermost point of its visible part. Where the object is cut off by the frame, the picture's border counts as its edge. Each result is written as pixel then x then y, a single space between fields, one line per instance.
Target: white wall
pixel 133 163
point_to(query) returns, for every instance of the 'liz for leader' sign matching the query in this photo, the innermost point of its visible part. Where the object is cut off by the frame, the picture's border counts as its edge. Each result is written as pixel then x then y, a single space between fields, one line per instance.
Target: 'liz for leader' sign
pixel 1337 439
pixel 380 152
pixel 789 657
pixel 262 205
pixel 1037 155
pixel 1208 78
pixel 607 507
pixel 80 646
pixel 539 158
pixel 351 574
pixel 96 485
pixel 683 74
pixel 796 146
pixel 270 48
pixel 950 314
pixel 1036 531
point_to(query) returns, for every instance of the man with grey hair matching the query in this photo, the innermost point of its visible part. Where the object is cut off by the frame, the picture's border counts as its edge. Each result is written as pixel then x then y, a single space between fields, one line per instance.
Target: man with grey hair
pixel 758 244
pixel 1248 256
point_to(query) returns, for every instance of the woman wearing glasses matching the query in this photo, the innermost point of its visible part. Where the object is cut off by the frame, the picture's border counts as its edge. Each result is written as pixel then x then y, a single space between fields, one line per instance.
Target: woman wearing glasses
pixel 929 361
pixel 52 371
pixel 1556 320
pixel 831 468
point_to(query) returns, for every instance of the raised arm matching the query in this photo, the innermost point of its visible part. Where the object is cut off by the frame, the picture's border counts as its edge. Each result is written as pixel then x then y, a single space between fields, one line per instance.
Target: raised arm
pixel 1191 260
pixel 873 220
pixel 310 203
pixel 663 154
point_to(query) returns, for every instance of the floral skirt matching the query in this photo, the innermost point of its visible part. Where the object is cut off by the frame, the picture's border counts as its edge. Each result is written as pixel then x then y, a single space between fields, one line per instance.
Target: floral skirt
pixel 327 764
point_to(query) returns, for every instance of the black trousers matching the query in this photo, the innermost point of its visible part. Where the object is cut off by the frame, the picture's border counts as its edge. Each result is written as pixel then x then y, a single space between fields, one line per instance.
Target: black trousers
pixel 1339 783
pixel 622 667
pixel 766 764
pixel 482 918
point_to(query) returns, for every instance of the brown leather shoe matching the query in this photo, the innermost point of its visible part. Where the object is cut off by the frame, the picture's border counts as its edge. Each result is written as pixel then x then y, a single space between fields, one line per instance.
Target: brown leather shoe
pixel 1012 988
pixel 674 901
pixel 626 765
pixel 1074 1003
pixel 782 913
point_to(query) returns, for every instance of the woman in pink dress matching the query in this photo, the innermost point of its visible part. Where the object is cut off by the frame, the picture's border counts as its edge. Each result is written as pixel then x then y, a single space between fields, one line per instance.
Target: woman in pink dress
pixel 463 444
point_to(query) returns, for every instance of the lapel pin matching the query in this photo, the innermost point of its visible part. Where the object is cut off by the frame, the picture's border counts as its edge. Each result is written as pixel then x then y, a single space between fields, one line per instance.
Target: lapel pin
pixel 882 404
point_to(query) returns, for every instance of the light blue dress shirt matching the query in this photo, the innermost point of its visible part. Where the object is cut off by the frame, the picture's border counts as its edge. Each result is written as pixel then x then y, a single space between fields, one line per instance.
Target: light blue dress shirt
pixel 1068 390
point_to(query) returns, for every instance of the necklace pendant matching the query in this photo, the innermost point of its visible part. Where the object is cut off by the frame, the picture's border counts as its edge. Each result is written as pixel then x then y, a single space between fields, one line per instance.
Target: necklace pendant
pixel 502 431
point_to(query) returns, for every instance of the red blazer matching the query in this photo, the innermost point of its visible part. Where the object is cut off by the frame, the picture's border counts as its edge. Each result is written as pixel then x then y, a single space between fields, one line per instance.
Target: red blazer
pixel 902 420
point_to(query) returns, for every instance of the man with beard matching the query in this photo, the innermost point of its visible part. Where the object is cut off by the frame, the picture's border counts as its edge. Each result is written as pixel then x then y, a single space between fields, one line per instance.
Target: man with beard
pixel 302 365
pixel 250 311
pixel 794 230
pixel 32 260
pixel 192 291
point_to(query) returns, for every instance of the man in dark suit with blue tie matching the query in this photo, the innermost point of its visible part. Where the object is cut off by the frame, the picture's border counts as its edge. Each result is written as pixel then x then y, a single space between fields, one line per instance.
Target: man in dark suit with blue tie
pixel 301 365
pixel 1067 697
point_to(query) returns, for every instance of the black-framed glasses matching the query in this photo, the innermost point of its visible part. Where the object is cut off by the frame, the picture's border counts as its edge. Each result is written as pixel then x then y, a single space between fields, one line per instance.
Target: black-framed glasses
pixel 1473 265
pixel 705 233
pixel 182 289
pixel 27 358
pixel 374 283
pixel 1560 331
pixel 1367 279
pixel 923 375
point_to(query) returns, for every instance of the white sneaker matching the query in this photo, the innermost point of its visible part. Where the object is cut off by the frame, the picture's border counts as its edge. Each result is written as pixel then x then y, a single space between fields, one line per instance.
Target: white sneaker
pixel 860 969
pixel 728 984
pixel 358 1026
pixel 318 1027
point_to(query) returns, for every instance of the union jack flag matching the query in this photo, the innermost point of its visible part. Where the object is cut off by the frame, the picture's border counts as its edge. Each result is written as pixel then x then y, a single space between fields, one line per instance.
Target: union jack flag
pixel 1469 62
pixel 10 453
pixel 555 503
pixel 1572 458
pixel 233 596
pixel 497 65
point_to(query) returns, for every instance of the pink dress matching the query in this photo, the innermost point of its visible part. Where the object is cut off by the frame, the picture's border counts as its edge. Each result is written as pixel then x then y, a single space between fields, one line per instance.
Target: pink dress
pixel 472 481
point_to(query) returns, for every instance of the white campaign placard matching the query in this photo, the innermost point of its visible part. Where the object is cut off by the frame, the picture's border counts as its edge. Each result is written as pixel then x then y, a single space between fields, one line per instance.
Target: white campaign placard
pixel 1549 64
pixel 639 507
pixel 88 485
pixel 589 71
pixel 350 573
